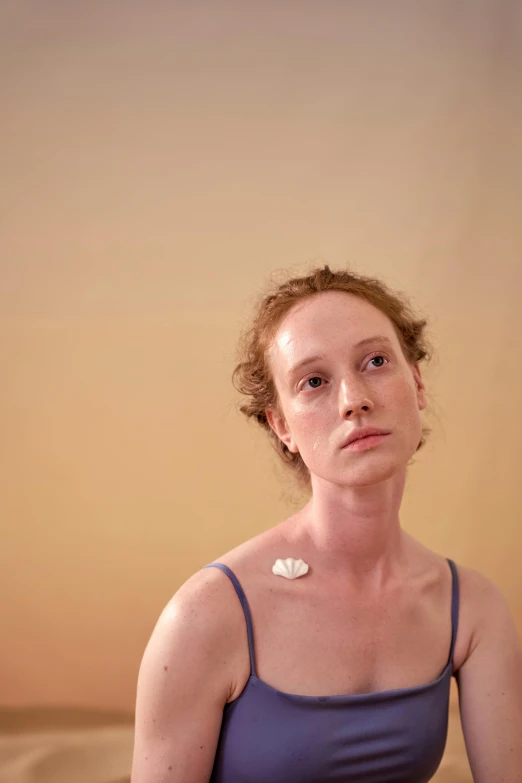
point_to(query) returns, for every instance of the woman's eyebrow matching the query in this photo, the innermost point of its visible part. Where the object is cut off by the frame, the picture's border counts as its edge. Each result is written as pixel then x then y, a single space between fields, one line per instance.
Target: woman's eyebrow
pixel 376 338
pixel 381 338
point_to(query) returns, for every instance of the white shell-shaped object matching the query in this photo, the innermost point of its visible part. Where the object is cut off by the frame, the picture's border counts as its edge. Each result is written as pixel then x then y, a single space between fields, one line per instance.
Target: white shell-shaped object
pixel 290 568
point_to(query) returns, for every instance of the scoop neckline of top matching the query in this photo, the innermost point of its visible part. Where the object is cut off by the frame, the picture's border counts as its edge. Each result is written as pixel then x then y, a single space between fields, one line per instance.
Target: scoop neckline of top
pixel 372 696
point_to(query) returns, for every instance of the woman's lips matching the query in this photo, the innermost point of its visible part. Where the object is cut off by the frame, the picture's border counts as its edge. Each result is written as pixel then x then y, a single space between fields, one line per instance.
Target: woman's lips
pixel 361 444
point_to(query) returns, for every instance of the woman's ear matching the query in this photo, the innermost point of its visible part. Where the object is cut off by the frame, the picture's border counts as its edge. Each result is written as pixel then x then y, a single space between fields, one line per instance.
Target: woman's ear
pixel 420 387
pixel 280 427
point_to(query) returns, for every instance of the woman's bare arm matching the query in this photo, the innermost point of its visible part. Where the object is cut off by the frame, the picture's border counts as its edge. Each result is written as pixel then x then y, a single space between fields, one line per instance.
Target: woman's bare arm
pixel 490 689
pixel 184 682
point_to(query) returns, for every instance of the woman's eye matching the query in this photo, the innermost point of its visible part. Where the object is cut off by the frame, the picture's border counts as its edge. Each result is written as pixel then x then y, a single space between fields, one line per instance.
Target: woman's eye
pixel 314 378
pixel 378 356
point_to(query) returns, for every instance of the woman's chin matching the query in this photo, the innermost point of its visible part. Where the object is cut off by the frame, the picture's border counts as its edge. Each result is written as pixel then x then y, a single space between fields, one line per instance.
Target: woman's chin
pixel 363 474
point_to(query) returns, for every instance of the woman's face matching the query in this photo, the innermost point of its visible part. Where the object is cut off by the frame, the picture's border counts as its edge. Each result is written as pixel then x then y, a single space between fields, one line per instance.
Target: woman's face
pixel 344 384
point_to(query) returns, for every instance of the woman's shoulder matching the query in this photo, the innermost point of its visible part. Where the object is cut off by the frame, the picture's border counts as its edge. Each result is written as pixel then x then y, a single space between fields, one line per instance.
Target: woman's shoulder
pixel 473 585
pixel 252 559
pixel 476 593
pixel 480 596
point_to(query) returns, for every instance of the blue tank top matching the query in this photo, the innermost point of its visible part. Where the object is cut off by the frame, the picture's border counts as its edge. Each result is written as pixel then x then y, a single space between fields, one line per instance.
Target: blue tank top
pixel 393 736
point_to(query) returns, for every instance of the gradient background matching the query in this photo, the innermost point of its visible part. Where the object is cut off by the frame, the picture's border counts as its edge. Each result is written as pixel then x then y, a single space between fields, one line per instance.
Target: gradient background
pixel 160 161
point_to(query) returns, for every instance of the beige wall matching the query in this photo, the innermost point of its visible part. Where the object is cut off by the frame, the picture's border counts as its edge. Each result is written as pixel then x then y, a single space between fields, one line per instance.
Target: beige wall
pixel 159 161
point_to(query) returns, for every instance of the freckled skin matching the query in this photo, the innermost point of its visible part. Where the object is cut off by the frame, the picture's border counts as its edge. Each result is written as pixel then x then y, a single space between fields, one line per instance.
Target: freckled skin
pixel 353 391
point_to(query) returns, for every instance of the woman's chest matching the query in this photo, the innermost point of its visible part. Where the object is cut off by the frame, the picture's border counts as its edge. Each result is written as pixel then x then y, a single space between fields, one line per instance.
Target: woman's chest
pixel 317 644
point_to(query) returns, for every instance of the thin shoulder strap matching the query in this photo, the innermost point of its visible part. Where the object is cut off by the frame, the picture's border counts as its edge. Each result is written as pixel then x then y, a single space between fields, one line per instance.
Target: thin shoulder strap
pixel 246 609
pixel 454 607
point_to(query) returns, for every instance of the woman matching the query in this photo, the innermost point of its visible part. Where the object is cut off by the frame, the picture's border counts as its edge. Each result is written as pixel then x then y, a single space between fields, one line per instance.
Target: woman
pixel 343 672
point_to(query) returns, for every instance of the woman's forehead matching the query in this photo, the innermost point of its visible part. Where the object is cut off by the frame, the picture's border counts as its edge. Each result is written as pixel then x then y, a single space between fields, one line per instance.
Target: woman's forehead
pixel 332 316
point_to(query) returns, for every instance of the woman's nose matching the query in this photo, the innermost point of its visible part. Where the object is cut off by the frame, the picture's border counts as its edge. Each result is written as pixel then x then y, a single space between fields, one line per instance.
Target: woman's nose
pixel 353 402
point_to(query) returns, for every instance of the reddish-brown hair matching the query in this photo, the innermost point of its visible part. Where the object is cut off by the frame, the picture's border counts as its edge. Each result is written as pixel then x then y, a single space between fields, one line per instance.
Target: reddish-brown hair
pixel 252 376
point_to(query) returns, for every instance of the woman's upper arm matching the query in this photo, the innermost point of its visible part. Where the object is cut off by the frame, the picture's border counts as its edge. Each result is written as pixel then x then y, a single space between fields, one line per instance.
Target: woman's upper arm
pixel 490 690
pixel 183 685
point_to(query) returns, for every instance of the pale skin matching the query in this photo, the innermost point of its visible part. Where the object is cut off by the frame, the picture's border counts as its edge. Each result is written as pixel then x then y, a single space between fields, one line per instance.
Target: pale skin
pixel 373 613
